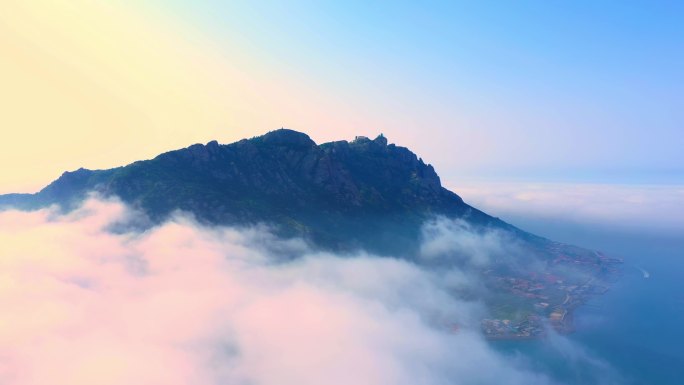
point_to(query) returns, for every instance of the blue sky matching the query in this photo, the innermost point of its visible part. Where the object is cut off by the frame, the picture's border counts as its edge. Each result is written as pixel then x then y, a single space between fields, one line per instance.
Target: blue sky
pixel 570 90
pixel 581 91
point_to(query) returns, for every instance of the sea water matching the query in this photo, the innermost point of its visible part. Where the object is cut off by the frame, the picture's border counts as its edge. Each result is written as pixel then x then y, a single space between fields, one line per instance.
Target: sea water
pixel 634 334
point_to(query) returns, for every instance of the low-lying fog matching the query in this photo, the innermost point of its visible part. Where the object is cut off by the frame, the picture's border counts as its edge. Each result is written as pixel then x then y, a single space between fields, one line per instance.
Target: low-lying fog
pixel 87 298
pixel 85 301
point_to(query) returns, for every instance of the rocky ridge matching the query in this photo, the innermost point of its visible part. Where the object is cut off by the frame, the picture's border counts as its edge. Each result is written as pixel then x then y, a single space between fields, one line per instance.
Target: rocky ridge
pixel 344 194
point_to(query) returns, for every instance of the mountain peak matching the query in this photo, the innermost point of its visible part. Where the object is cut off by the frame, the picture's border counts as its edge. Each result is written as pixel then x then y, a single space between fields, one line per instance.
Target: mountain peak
pixel 328 192
pixel 287 137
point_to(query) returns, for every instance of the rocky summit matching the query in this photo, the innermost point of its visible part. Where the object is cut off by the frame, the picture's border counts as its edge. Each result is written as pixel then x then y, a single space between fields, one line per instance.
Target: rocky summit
pixel 364 193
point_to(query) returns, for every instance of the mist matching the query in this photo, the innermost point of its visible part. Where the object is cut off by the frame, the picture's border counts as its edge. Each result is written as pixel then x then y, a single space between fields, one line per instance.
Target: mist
pixel 631 328
pixel 88 299
pixel 653 209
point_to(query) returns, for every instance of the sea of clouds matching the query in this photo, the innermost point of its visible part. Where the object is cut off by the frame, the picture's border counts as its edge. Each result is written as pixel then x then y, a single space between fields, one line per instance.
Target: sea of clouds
pixel 657 208
pixel 91 297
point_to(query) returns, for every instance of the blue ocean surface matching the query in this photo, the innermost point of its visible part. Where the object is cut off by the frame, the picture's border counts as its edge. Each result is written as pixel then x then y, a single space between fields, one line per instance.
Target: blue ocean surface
pixel 634 334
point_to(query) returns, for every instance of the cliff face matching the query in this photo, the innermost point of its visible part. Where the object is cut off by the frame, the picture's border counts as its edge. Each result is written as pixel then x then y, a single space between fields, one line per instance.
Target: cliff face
pixel 364 193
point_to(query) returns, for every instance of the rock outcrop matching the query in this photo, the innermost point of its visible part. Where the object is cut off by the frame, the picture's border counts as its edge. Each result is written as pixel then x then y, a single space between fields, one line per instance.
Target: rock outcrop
pixel 364 193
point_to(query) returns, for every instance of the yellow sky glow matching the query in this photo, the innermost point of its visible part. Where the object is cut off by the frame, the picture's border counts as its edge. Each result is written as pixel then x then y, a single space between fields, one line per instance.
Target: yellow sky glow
pixel 94 84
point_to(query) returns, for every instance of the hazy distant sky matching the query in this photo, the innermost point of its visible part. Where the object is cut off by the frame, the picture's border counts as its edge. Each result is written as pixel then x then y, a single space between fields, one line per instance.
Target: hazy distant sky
pixel 536 90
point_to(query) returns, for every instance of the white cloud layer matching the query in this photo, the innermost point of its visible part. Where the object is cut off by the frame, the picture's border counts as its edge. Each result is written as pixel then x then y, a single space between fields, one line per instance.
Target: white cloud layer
pixel 184 304
pixel 457 240
pixel 657 207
